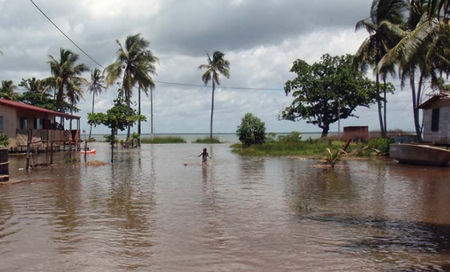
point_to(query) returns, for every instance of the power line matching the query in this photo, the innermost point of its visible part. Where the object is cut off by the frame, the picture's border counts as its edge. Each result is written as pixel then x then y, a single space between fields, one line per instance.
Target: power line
pixel 62 32
pixel 158 81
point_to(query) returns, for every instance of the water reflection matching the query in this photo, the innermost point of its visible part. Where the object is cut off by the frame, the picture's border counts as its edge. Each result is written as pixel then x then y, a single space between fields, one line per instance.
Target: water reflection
pixel 157 208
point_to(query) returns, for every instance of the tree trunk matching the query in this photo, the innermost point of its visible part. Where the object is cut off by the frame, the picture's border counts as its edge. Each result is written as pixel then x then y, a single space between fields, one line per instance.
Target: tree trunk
pixel 139 110
pixel 325 130
pixel 212 110
pixel 151 113
pixel 380 116
pixel 127 96
pixel 93 101
pixel 416 100
pixel 384 105
pixel 112 145
pixel 71 113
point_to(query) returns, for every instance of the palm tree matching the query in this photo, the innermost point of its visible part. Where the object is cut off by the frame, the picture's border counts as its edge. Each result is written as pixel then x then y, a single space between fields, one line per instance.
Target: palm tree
pixel 215 66
pixel 423 47
pixel 95 87
pixel 75 93
pixel 65 72
pixel 135 63
pixel 8 90
pixel 382 14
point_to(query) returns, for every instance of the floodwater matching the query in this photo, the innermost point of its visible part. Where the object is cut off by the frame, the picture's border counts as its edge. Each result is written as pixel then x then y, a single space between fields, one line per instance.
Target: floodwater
pixel 158 209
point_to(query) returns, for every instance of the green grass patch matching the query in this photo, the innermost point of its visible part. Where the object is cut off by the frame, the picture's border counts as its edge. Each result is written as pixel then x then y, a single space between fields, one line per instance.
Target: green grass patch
pixel 311 148
pixel 163 140
pixel 208 140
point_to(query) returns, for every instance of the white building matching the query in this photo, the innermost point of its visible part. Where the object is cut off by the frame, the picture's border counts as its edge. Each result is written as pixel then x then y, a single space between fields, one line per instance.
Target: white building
pixel 436 119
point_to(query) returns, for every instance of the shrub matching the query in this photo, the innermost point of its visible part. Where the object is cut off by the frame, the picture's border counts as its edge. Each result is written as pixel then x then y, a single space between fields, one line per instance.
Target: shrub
pixel 4 139
pixel 293 137
pixel 381 145
pixel 251 130
pixel 208 140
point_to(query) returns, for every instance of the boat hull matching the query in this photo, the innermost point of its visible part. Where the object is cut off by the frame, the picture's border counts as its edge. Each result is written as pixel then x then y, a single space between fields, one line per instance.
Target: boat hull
pixel 419 154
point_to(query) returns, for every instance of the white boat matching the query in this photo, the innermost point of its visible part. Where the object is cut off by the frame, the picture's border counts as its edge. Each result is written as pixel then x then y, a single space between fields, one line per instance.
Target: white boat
pixel 420 154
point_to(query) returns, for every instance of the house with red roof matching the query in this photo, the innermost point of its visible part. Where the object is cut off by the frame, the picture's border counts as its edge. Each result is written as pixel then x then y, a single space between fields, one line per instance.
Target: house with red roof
pixel 23 122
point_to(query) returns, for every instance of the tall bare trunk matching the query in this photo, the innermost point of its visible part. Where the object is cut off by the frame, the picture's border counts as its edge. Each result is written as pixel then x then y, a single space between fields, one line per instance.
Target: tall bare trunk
pixel 212 109
pixel 380 116
pixel 415 99
pixel 151 113
pixel 93 102
pixel 384 104
pixel 139 110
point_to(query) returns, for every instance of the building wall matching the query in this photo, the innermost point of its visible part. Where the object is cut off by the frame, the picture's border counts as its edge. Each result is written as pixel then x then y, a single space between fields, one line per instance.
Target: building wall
pixel 442 136
pixel 10 120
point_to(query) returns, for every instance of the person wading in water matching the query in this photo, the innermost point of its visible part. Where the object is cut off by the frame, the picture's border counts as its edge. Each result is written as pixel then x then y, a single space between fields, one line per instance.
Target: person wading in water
pixel 204 156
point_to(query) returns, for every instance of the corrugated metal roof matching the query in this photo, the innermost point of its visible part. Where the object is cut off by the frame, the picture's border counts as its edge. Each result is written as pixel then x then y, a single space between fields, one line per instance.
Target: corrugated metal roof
pixel 25 106
pixel 443 95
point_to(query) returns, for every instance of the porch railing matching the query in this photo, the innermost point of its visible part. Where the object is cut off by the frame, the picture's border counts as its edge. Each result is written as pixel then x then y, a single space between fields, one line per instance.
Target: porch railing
pixel 49 135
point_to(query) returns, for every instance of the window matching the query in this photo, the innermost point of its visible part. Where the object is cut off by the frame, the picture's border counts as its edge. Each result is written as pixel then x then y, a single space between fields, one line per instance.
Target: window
pixel 1 123
pixel 23 123
pixel 435 120
pixel 38 123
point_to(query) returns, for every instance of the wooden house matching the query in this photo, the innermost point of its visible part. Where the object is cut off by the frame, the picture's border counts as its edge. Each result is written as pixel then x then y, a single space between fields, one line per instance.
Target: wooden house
pixel 25 123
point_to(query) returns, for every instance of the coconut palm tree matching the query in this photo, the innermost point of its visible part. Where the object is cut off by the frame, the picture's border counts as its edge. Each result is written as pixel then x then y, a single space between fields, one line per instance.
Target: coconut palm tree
pixel 96 87
pixel 146 83
pixel 65 72
pixel 133 63
pixel 382 14
pixel 8 90
pixel 75 93
pixel 216 65
pixel 423 47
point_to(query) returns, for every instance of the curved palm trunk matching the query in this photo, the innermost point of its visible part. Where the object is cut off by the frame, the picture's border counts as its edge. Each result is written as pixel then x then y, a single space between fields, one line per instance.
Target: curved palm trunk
pixel 90 129
pixel 416 99
pixel 380 116
pixel 212 109
pixel 151 112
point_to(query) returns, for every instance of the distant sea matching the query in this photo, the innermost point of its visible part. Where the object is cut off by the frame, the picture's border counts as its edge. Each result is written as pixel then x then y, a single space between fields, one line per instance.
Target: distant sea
pixel 191 137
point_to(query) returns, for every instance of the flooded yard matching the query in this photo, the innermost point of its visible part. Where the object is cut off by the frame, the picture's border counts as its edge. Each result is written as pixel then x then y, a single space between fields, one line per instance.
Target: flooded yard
pixel 158 209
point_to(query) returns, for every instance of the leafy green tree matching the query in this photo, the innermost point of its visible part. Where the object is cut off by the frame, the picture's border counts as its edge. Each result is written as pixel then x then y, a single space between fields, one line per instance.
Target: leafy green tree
pixel 251 130
pixel 96 87
pixel 8 90
pixel 327 91
pixel 119 117
pixel 383 14
pixel 134 63
pixel 66 77
pixel 216 66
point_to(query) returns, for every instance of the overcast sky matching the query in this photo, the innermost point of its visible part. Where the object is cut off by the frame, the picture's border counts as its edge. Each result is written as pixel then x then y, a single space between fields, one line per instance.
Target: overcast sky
pixel 260 38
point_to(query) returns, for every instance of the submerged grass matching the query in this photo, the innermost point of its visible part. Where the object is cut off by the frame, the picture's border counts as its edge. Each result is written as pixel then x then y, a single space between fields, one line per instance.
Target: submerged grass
pixel 208 140
pixel 311 148
pixel 163 140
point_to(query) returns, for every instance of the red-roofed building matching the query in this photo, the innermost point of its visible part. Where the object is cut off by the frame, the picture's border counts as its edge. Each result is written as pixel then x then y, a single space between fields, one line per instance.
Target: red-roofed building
pixel 18 119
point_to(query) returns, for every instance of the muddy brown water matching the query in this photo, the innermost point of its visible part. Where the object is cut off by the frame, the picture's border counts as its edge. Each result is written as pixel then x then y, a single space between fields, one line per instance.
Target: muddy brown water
pixel 158 209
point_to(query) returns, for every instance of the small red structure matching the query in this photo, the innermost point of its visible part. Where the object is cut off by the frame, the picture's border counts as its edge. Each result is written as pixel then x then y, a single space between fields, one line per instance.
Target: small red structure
pixel 356 133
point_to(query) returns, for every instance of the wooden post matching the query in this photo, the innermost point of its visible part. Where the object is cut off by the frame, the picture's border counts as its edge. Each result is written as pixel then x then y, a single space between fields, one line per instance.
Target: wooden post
pixel 51 148
pixel 30 136
pixel 4 165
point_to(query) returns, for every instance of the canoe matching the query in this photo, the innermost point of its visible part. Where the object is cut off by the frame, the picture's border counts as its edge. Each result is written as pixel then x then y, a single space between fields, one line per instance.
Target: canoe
pixel 92 151
pixel 419 154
